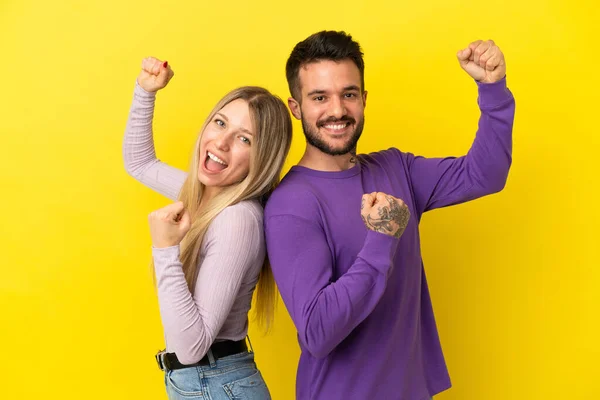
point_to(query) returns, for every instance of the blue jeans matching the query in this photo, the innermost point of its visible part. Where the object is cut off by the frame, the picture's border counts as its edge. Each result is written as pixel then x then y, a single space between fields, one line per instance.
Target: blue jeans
pixel 234 377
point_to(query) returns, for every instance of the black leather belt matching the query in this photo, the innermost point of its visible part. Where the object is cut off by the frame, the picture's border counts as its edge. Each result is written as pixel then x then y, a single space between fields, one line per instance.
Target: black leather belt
pixel 169 361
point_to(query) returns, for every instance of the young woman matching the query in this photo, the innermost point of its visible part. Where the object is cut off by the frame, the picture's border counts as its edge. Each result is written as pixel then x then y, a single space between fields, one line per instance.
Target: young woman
pixel 208 248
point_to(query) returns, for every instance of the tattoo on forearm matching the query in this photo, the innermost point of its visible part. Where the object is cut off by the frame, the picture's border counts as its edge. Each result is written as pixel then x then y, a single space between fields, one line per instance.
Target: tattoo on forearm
pixel 392 219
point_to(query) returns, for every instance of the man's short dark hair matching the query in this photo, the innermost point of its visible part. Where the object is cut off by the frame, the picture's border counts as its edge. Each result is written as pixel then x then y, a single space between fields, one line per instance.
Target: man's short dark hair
pixel 324 45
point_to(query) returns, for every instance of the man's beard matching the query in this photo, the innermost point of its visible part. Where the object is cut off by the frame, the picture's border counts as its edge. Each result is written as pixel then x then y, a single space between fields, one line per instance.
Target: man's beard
pixel 316 139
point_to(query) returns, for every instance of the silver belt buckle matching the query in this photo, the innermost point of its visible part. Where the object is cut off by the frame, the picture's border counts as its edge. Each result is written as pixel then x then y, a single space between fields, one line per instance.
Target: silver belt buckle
pixel 160 360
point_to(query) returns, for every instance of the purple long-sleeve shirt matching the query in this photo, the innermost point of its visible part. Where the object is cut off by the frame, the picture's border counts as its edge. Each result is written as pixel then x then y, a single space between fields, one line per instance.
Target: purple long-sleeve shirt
pixel 359 299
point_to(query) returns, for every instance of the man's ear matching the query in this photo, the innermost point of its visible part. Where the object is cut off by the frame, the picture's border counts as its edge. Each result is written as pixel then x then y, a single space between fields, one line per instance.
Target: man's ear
pixel 294 108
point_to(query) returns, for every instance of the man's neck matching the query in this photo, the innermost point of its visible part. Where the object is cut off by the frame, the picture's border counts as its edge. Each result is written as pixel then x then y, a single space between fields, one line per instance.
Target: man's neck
pixel 314 158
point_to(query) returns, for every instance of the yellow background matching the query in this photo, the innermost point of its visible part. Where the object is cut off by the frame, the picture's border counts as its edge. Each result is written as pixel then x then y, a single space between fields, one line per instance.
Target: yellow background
pixel 514 277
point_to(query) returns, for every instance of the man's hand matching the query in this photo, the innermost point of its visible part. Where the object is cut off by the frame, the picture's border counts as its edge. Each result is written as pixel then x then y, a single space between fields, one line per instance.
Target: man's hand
pixel 483 61
pixel 384 213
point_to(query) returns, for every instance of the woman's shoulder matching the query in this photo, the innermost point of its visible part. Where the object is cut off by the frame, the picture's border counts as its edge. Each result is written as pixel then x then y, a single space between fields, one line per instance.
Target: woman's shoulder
pixel 247 214
pixel 247 209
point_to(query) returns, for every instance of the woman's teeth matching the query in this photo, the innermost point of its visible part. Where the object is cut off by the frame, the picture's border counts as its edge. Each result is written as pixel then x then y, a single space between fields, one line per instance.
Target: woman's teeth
pixel 216 159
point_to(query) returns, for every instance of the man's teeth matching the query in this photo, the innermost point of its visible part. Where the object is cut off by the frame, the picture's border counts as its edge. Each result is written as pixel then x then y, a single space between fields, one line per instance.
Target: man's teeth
pixel 216 159
pixel 336 127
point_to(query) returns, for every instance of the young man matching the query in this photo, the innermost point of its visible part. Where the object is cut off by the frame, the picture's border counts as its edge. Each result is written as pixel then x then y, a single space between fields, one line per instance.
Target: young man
pixel 342 229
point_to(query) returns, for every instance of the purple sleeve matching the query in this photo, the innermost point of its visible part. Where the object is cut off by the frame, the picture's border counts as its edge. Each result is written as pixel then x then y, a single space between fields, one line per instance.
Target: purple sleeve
pixel 440 182
pixel 325 312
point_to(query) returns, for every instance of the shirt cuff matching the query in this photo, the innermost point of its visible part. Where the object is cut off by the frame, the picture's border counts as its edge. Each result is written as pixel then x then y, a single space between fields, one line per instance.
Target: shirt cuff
pixel 142 95
pixel 378 251
pixel 492 95
pixel 165 256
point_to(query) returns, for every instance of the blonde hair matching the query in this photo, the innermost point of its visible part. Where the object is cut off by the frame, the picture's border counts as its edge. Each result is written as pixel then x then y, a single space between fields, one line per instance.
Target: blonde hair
pixel 273 135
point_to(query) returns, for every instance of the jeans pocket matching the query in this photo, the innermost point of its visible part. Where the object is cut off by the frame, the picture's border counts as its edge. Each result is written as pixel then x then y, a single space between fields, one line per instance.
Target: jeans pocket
pixel 252 387
pixel 184 383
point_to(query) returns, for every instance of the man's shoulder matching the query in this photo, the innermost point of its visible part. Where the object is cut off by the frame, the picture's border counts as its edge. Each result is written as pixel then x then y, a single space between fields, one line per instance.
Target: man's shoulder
pixel 390 155
pixel 293 196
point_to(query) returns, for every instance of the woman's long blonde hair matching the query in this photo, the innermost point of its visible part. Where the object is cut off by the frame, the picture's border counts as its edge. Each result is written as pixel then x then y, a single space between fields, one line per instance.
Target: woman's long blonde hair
pixel 273 136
